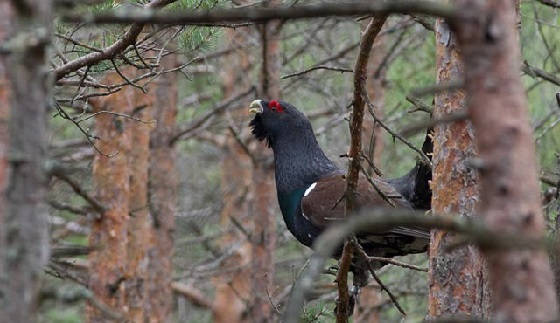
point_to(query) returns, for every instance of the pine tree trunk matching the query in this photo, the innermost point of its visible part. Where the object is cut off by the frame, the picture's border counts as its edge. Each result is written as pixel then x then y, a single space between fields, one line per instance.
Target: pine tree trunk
pixel 25 245
pixel 139 215
pixel 457 279
pixel 6 19
pixel 162 195
pixel 521 280
pixel 233 288
pixel 109 233
pixel 262 186
pixel 372 134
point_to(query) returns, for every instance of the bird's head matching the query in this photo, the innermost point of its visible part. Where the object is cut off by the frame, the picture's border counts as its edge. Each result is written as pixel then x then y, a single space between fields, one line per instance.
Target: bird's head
pixel 276 119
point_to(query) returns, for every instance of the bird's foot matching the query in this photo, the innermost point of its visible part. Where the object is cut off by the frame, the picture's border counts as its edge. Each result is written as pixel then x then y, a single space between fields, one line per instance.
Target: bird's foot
pixel 355 295
pixel 353 299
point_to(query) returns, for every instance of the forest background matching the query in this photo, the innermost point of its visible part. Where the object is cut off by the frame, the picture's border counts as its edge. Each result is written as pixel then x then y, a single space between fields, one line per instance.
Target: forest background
pixel 194 198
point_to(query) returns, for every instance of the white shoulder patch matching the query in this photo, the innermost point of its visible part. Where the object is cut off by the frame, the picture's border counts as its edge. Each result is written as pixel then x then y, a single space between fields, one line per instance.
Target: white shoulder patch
pixel 308 190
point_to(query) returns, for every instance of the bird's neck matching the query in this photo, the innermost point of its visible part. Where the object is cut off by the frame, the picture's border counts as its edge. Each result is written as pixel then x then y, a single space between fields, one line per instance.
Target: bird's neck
pixel 299 162
pixel 297 224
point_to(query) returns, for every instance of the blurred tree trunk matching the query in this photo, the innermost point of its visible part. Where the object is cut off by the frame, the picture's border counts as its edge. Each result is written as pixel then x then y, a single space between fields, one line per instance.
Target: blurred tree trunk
pixel 372 142
pixel 139 215
pixel 6 19
pixel 109 233
pixel 248 192
pixel 163 185
pixel 262 187
pixel 233 288
pixel 457 279
pixel 24 246
pixel 372 138
pixel 521 280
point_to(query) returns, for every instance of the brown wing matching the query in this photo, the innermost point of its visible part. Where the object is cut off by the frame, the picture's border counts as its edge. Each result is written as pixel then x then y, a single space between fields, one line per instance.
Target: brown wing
pixel 322 204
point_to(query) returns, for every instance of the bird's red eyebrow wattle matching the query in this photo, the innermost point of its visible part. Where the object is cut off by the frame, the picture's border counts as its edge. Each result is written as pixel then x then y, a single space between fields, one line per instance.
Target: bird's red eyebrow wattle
pixel 275 104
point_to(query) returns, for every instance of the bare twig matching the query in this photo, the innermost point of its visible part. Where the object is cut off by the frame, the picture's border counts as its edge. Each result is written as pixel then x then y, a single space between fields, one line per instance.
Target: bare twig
pixel 123 115
pixel 242 144
pixel 362 253
pixel 396 135
pixel 550 3
pixel 193 295
pixel 397 263
pixel 318 67
pixel 377 189
pixel 70 251
pixel 66 207
pixel 537 72
pixel 59 173
pixel 217 110
pixel 421 106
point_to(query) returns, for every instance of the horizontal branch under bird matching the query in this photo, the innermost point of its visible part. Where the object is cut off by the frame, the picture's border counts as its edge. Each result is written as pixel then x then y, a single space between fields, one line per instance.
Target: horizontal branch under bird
pixel 380 220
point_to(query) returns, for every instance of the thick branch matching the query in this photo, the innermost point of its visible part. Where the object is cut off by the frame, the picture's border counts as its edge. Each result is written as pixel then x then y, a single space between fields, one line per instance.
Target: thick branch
pixel 265 14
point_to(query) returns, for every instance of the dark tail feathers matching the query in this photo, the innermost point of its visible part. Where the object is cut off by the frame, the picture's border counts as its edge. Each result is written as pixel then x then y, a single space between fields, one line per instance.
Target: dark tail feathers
pixel 415 185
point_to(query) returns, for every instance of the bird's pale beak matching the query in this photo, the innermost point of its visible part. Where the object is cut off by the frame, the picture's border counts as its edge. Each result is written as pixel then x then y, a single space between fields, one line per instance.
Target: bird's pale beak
pixel 256 107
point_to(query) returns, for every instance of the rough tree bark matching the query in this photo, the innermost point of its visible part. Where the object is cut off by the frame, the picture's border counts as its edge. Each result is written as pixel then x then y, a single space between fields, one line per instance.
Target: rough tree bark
pixel 139 215
pixel 231 303
pixel 162 195
pixel 456 279
pixel 24 248
pixel 521 281
pixel 109 233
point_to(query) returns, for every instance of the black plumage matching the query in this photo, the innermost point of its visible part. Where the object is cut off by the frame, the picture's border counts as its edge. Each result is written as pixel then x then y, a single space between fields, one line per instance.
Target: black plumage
pixel 309 185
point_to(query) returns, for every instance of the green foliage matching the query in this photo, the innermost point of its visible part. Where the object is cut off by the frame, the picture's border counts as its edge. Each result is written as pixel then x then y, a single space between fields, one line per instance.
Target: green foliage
pixel 197 4
pixel 64 315
pixel 194 38
pixel 321 311
pixel 197 38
